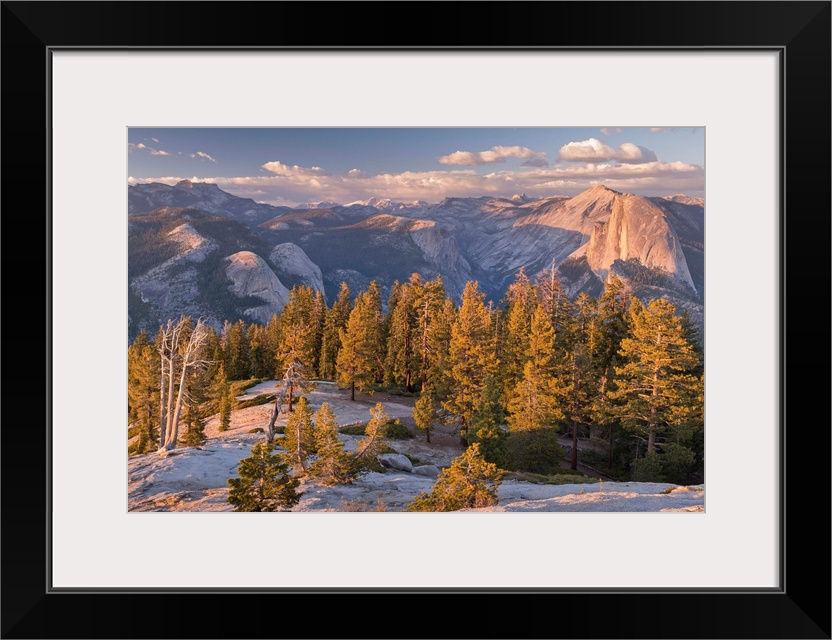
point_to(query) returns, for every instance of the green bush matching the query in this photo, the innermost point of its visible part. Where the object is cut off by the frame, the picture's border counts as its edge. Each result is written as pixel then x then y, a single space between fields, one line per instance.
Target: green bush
pixel 469 483
pixel 354 429
pixel 264 398
pixel 395 430
pixel 264 482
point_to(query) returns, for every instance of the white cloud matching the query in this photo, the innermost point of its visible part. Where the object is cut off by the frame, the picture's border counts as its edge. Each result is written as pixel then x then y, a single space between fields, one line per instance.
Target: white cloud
pixel 156 140
pixel 142 147
pixel 294 184
pixel 593 150
pixel 494 154
pixel 294 171
pixel 204 155
pixel 611 131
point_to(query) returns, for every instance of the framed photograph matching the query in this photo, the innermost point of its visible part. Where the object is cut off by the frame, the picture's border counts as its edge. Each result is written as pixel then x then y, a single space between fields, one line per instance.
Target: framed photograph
pixel 728 102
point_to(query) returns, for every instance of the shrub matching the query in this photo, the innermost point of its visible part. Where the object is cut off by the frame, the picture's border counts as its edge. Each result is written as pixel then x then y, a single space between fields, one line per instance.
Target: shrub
pixel 264 483
pixel 648 468
pixel 395 430
pixel 469 483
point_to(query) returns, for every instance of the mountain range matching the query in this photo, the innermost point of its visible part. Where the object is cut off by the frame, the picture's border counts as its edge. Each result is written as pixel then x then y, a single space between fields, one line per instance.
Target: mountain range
pixel 193 248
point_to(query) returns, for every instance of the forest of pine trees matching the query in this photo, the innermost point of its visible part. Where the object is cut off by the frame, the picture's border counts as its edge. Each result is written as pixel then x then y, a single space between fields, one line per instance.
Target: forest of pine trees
pixel 511 377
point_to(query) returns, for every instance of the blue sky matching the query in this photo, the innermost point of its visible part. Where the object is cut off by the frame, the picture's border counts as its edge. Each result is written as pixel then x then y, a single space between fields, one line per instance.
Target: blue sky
pixel 287 166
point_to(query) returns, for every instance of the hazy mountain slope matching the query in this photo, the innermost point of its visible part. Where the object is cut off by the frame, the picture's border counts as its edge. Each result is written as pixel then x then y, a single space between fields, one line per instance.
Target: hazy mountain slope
pixel 657 244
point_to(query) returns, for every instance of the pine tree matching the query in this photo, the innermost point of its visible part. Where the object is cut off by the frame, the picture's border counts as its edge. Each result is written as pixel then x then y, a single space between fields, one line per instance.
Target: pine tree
pixel 336 320
pixel 264 482
pixel 360 344
pixel 259 364
pixel 299 437
pixel 299 324
pixel 578 403
pixel 469 483
pixel 471 356
pixel 235 350
pixel 223 397
pixel 655 390
pixel 373 442
pixel 334 465
pixel 427 412
pixel 487 424
pixel 555 302
pixel 522 300
pixel 402 364
pixel 437 347
pixel 143 391
pixel 609 329
pixel 537 403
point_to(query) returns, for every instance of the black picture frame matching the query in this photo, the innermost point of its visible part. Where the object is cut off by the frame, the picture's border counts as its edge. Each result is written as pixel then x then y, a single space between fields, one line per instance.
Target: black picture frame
pixel 799 31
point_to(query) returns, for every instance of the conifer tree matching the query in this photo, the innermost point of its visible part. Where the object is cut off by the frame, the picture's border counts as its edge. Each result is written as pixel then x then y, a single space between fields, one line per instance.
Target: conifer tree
pixel 471 356
pixel 577 371
pixel 334 465
pixel 609 329
pixel 522 300
pixel 360 344
pixel 143 391
pixel 655 389
pixel 299 321
pixel 272 346
pixel 259 365
pixel 555 301
pixel 336 320
pixel 427 412
pixel 437 315
pixel 373 442
pixel 224 398
pixel 235 350
pixel 299 437
pixel 402 364
pixel 487 424
pixel 469 483
pixel 537 403
pixel 264 482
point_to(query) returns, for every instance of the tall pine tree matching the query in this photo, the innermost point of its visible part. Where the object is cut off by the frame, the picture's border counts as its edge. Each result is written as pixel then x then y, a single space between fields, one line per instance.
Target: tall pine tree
pixel 655 389
pixel 471 356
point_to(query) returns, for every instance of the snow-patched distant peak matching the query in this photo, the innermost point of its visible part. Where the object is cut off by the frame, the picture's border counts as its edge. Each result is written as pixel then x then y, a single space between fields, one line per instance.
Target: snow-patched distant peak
pixel 383 204
pixel 520 197
pixel 684 199
pixel 327 204
pixel 184 184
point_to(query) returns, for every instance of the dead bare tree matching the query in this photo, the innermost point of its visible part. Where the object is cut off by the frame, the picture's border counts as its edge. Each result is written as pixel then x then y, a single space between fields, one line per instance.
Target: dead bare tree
pixel 294 377
pixel 187 356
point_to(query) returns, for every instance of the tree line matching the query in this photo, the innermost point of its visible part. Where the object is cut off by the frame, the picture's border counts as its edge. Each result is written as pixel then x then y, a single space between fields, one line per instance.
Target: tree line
pixel 512 377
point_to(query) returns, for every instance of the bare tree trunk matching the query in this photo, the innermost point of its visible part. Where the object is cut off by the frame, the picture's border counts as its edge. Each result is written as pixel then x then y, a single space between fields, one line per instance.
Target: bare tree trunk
pixel 609 462
pixel 171 387
pixel 352 390
pixel 574 446
pixel 272 420
pixel 173 426
pixel 162 414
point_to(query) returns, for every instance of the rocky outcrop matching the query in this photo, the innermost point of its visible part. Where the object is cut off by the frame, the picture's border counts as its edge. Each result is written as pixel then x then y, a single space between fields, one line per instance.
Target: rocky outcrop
pixel 250 275
pixel 429 470
pixel 396 461
pixel 636 229
pixel 291 260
